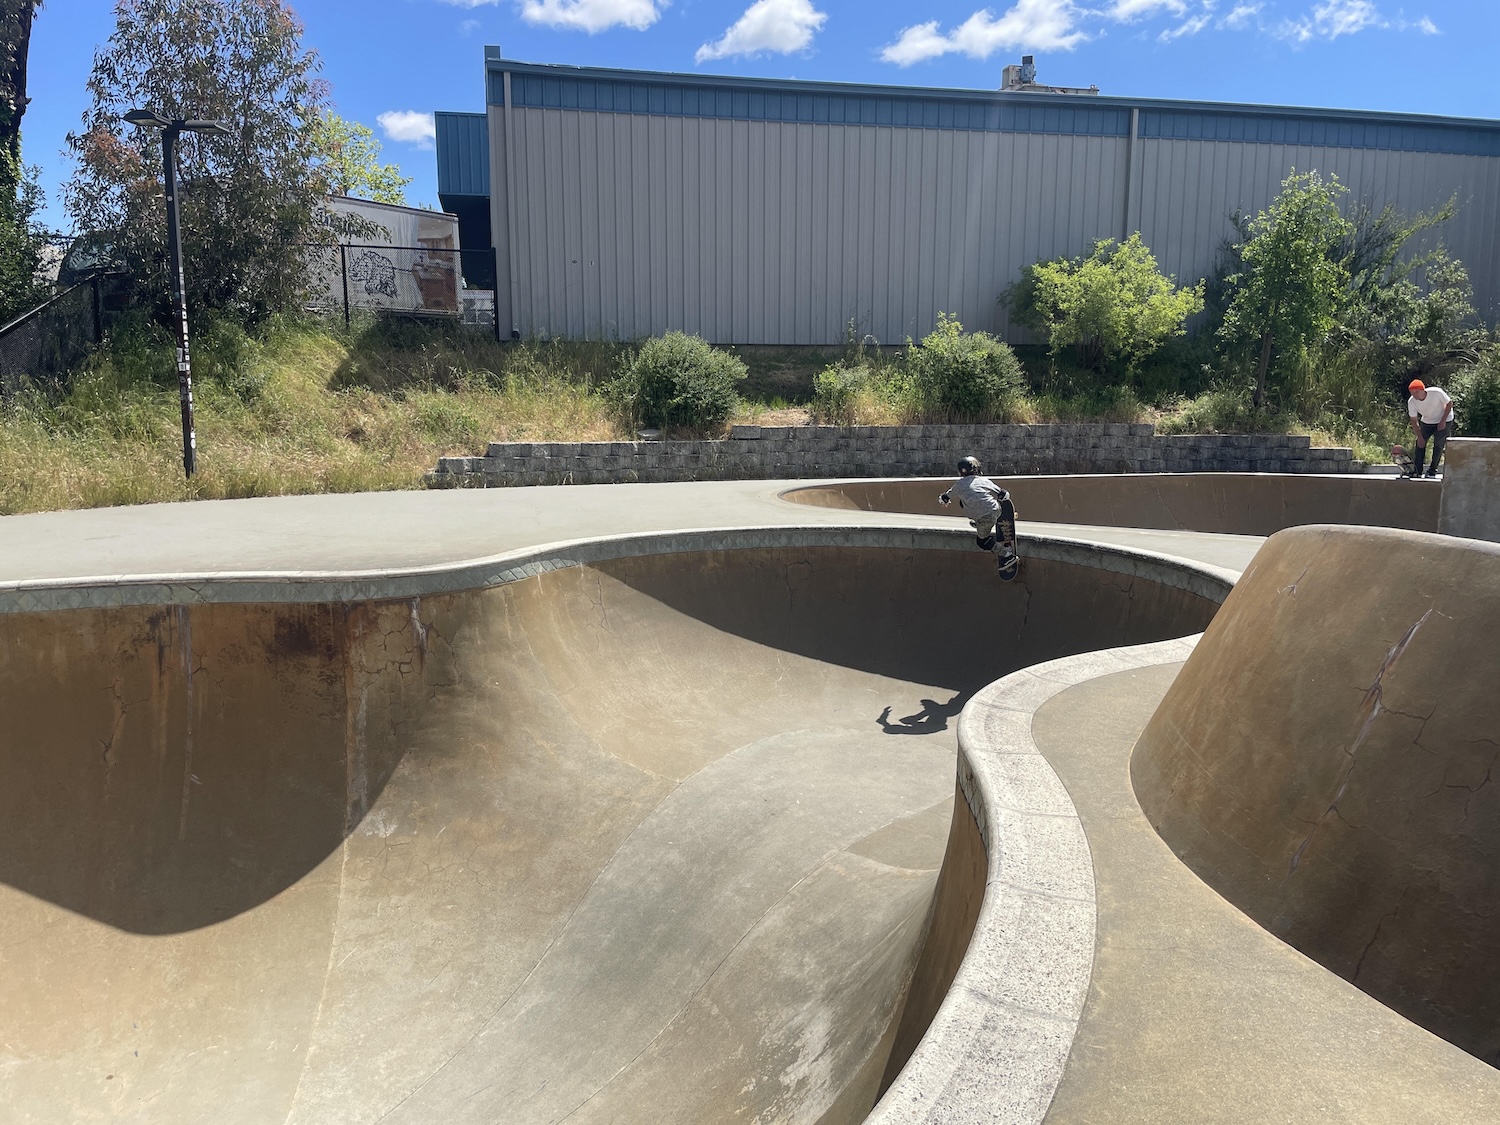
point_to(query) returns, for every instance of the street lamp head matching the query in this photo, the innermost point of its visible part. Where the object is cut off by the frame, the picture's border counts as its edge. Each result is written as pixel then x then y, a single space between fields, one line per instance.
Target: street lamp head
pixel 152 119
pixel 222 128
pixel 147 117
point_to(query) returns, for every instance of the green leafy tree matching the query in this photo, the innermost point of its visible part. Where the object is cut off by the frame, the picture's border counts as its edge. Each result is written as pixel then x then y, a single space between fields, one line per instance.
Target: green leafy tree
pixel 21 243
pixel 1476 396
pixel 246 200
pixel 348 158
pixel 1410 312
pixel 963 374
pixel 1113 305
pixel 1375 250
pixel 1291 284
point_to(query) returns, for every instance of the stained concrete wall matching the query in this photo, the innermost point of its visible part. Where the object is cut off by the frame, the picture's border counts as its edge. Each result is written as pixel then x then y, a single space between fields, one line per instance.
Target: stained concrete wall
pixel 1471 489
pixel 292 861
pixel 1328 761
pixel 1225 503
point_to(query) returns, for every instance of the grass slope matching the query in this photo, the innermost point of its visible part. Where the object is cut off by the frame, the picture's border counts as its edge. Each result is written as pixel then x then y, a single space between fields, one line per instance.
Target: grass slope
pixel 305 409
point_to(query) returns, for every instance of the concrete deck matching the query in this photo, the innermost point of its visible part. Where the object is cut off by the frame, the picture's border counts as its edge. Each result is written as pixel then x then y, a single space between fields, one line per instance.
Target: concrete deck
pixel 387 532
pixel 1195 1014
pixel 627 840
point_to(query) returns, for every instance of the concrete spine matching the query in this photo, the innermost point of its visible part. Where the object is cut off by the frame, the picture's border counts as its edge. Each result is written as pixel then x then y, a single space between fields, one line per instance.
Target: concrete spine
pixel 1471 489
pixel 806 452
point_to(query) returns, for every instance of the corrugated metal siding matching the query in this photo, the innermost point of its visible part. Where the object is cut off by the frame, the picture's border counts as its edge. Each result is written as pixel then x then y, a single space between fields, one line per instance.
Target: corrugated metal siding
pixel 463 153
pixel 757 232
pixel 1188 190
pixel 766 232
pixel 500 217
pixel 1328 130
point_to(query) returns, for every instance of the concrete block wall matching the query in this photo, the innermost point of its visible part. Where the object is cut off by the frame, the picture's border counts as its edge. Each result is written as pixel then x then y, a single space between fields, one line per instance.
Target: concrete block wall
pixel 805 452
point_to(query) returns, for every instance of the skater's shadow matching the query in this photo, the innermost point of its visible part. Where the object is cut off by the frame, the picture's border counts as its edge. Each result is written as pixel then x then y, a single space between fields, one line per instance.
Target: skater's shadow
pixel 931 718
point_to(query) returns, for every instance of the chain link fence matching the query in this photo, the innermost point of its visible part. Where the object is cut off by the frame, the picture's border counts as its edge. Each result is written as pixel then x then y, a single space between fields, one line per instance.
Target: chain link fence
pixel 42 347
pixel 415 281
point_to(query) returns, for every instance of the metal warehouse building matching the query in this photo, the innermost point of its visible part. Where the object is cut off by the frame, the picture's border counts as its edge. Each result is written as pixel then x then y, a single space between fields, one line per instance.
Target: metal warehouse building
pixel 622 204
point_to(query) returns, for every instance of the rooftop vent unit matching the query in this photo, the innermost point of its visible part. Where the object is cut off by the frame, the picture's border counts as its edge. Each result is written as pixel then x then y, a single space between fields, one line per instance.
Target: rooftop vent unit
pixel 1022 80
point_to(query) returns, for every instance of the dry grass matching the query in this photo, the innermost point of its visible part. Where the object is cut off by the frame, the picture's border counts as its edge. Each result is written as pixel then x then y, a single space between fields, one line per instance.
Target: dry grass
pixel 294 416
pixel 304 410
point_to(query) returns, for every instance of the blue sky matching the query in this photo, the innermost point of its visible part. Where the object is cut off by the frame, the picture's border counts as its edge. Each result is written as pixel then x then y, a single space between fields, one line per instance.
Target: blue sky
pixel 392 62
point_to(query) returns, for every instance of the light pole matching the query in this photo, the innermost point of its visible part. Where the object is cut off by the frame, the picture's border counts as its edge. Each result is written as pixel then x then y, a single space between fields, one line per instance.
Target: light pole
pixel 171 129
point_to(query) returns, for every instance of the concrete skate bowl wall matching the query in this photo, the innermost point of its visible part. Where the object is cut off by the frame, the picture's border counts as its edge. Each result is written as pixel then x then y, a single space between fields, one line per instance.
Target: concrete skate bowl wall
pixel 647 830
pixel 1329 760
pixel 1223 503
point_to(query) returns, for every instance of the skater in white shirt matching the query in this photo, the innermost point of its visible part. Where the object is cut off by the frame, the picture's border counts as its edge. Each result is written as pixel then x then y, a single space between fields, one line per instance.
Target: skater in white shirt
pixel 1431 413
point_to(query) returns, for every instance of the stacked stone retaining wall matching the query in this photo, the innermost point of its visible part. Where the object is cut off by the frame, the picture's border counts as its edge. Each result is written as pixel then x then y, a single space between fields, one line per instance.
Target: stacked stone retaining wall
pixel 806 452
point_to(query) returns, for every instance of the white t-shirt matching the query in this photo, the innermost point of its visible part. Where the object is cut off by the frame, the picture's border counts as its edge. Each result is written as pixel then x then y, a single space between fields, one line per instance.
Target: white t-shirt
pixel 1432 409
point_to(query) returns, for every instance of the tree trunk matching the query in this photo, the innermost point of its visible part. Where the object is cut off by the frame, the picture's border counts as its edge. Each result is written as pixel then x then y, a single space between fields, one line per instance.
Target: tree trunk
pixel 1260 370
pixel 15 44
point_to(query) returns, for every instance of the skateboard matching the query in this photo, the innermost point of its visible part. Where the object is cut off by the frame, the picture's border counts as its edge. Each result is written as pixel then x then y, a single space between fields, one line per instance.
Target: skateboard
pixel 1005 530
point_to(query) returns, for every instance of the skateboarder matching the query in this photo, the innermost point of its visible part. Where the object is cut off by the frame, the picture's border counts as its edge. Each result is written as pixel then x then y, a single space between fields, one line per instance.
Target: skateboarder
pixel 1431 413
pixel 987 505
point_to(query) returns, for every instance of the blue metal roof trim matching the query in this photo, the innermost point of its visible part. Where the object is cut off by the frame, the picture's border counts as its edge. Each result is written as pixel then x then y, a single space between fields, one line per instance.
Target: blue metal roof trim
pixel 655 99
pixel 463 153
pixel 761 99
pixel 1324 132
pixel 672 100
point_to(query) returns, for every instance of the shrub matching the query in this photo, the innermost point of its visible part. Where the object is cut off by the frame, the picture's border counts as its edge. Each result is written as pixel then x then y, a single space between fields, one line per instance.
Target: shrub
pixel 678 380
pixel 1476 397
pixel 835 391
pixel 1225 409
pixel 1113 305
pixel 966 375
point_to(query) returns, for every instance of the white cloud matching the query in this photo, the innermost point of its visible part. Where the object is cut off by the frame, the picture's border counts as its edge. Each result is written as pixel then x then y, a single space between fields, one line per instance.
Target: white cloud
pixel 470 3
pixel 1331 19
pixel 592 15
pixel 468 27
pixel 1125 10
pixel 1240 16
pixel 1037 24
pixel 408 126
pixel 1427 27
pixel 782 26
pixel 1190 26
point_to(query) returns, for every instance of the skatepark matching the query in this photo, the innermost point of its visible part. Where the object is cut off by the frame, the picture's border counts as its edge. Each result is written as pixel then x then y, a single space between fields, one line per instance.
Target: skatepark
pixel 752 801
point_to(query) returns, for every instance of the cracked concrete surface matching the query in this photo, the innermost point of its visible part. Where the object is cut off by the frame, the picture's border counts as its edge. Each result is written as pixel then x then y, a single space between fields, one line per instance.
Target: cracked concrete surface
pixel 1342 802
pixel 1196 1015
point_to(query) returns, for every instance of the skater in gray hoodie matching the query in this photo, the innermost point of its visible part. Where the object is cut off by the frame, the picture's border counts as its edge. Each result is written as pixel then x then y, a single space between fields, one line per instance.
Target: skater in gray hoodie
pixel 980 499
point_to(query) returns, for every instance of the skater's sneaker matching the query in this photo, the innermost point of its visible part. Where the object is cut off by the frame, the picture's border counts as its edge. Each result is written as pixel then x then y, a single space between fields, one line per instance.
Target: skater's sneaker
pixel 1429 476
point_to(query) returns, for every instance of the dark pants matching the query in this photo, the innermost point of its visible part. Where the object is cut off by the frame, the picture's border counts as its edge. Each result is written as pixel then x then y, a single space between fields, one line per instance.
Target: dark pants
pixel 1434 439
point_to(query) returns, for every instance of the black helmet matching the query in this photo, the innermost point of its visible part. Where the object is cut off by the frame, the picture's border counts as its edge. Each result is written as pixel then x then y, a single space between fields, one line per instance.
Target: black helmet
pixel 968 467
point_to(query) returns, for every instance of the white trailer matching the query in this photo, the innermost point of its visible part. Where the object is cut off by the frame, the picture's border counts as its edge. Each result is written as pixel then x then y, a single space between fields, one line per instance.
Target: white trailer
pixel 391 259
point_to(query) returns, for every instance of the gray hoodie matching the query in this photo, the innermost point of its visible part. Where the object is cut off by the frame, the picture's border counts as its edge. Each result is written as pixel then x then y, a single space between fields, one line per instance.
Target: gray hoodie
pixel 978 496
